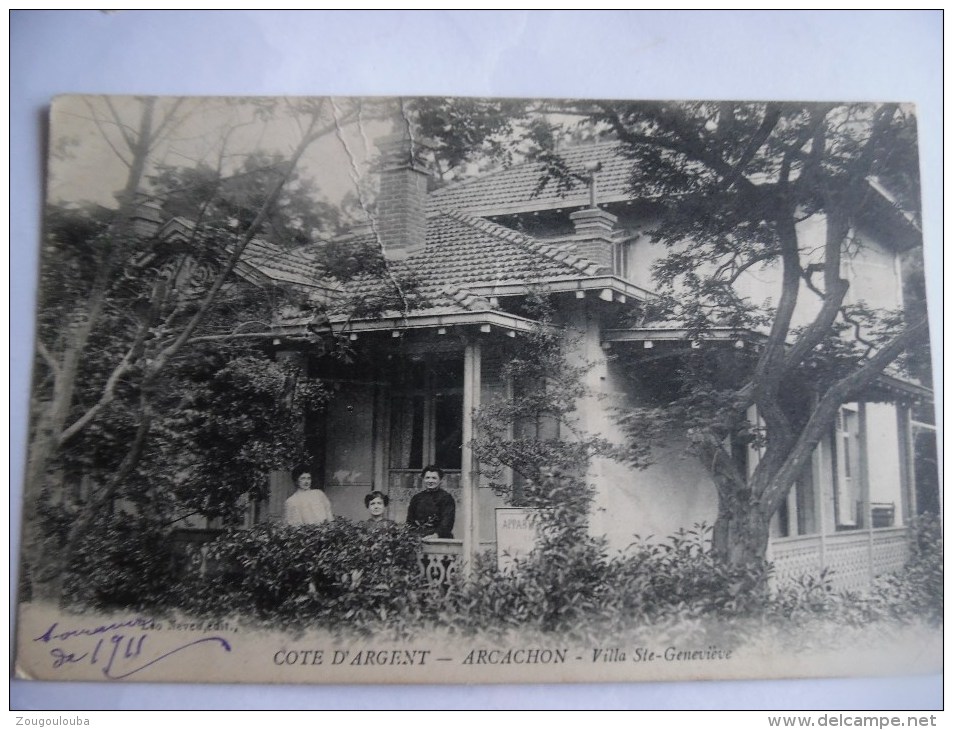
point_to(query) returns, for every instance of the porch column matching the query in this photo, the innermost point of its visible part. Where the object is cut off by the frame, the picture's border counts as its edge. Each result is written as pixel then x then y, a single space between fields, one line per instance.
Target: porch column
pixel 469 468
pixel 908 497
pixel 820 499
pixel 865 484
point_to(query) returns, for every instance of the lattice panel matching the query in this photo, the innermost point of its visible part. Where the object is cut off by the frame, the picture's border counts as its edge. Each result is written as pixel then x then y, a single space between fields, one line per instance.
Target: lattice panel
pixel 848 561
pixel 890 551
pixel 852 558
pixel 792 560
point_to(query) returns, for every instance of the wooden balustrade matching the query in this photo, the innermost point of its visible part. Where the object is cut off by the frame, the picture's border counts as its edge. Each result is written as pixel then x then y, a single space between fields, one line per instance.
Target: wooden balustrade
pixel 854 559
pixel 440 560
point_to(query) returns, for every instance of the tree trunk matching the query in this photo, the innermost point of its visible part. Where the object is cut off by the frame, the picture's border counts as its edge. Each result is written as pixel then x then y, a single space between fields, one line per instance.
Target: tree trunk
pixel 740 537
pixel 52 418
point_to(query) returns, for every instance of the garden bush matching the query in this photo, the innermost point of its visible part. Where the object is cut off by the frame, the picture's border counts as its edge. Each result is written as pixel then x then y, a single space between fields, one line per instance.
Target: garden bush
pixel 337 573
pixel 556 588
pixel 681 574
pixel 124 561
pixel 366 579
pixel 916 591
pixel 570 586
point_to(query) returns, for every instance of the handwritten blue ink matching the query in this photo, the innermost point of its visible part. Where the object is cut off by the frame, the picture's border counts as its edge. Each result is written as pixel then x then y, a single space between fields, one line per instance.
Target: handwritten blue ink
pixel 225 645
pixel 61 657
pixel 137 622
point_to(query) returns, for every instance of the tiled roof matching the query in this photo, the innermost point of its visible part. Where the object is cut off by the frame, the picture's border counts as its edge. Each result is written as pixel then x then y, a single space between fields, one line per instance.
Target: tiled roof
pixel 514 189
pixel 293 267
pixel 463 251
pixel 275 262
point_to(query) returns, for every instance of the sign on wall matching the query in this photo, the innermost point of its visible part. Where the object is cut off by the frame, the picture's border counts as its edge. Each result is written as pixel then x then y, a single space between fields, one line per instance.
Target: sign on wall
pixel 516 529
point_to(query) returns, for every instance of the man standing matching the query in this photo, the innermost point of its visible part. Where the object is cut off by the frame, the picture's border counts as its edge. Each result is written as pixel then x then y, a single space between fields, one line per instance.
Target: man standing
pixel 307 506
pixel 432 511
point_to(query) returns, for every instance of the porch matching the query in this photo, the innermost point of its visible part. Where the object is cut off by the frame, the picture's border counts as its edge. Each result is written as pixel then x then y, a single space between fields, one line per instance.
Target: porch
pixel 854 558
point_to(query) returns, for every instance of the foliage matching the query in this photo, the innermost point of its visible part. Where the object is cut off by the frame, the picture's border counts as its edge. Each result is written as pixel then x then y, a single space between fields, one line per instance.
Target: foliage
pixel 568 585
pixel 340 574
pixel 221 414
pixel 534 437
pixel 554 591
pixel 534 434
pixel 683 574
pixel 917 590
pixel 355 578
pixel 463 130
pixel 208 197
pixel 130 398
pixel 123 561
pixel 678 586
pixel 232 417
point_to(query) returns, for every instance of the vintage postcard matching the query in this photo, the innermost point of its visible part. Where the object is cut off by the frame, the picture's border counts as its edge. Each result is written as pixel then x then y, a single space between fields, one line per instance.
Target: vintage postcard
pixel 446 390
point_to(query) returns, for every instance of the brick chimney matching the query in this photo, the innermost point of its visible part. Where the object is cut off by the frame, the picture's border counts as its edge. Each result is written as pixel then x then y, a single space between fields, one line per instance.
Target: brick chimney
pixel 402 203
pixel 594 238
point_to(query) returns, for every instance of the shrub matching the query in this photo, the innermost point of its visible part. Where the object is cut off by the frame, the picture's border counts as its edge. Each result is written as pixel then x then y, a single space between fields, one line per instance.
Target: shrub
pixel 339 573
pixel 681 573
pixel 569 585
pixel 560 589
pixel 124 561
pixel 916 591
pixel 560 586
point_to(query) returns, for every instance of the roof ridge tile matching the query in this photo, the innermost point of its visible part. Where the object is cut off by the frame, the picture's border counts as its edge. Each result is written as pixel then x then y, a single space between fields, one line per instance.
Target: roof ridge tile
pixel 466 298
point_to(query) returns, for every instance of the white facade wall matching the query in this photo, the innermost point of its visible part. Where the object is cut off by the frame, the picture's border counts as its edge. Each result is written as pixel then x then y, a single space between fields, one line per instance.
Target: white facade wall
pixel 675 492
pixel 871 267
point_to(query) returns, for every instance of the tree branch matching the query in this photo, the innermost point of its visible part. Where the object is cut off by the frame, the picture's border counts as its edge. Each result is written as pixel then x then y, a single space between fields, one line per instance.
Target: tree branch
pixel 187 331
pixel 105 136
pixel 835 289
pixel 48 358
pixel 825 411
pixel 109 389
pixel 694 152
pixel 121 125
pixel 772 116
pixel 739 269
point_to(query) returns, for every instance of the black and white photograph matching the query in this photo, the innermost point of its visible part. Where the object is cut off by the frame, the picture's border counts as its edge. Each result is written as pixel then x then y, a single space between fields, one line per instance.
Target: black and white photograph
pixel 460 389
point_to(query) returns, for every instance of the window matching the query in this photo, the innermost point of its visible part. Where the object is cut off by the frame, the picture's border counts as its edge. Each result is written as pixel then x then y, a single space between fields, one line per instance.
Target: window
pixel 926 473
pixel 426 421
pixel 620 258
pixel 847 488
pixel 448 430
pixel 407 432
